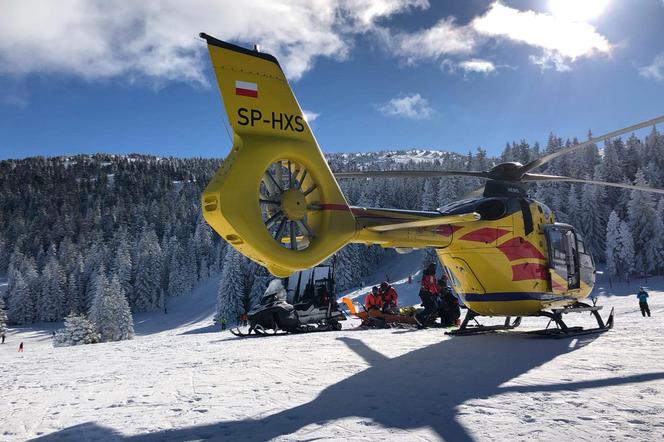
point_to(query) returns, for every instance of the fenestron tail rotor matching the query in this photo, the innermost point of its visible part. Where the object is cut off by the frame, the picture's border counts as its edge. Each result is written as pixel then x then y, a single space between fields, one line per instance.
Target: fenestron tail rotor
pixel 287 198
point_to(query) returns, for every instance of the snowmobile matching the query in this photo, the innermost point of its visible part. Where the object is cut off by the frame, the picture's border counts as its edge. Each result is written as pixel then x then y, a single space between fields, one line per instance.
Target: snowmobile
pixel 274 314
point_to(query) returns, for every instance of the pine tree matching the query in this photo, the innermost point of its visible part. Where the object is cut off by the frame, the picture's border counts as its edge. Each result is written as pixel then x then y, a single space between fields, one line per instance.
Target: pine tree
pixel 231 288
pixel 642 220
pixel 147 285
pixel 573 207
pixel 110 310
pixel 613 244
pixel 78 331
pixel 52 296
pixel 626 250
pixel 429 197
pixel 21 307
pixel 591 220
pixel 3 318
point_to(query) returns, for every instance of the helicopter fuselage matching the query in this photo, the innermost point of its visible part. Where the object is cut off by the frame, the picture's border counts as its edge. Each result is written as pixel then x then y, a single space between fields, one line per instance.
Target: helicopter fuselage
pixel 515 261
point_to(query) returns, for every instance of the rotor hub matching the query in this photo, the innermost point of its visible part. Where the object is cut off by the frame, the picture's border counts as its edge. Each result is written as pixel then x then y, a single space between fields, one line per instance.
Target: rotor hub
pixel 294 204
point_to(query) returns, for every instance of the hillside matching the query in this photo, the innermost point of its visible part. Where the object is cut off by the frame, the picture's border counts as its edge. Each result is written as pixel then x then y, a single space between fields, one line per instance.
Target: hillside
pixel 193 382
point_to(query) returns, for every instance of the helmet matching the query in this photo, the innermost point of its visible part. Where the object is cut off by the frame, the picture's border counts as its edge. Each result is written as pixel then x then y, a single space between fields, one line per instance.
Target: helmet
pixel 374 290
pixel 384 285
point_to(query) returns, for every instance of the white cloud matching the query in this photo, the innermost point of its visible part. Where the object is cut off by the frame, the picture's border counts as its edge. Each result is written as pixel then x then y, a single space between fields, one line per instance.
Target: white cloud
pixel 412 106
pixel 654 70
pixel 477 65
pixel 444 38
pixel 310 116
pixel 156 39
pixel 561 39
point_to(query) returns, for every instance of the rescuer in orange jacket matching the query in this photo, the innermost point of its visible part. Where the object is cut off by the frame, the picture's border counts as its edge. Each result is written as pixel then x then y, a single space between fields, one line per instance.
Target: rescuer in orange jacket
pixel 373 300
pixel 389 297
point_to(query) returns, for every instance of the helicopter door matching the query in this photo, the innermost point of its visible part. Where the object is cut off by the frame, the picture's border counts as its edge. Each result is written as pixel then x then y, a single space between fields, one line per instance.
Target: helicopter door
pixel 563 259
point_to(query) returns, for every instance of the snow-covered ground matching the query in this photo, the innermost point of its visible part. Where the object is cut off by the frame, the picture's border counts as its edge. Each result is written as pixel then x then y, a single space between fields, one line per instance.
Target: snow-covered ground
pixel 182 379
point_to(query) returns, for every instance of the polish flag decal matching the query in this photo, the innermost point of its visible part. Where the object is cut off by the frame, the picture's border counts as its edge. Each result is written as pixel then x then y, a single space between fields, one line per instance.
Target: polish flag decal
pixel 246 89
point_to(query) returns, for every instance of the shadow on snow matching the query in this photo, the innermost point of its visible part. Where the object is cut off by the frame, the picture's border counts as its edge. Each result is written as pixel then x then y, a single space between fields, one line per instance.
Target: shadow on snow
pixel 422 388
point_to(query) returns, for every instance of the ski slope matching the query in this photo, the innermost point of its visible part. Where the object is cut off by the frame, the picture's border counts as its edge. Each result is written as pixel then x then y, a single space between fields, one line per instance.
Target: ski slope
pixel 192 382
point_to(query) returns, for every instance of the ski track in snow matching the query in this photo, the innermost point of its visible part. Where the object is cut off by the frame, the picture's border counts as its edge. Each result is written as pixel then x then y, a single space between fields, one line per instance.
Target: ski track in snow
pixel 182 379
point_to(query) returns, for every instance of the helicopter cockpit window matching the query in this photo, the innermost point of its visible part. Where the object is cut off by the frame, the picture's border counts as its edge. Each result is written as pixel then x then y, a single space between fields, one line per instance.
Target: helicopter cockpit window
pixel 491 209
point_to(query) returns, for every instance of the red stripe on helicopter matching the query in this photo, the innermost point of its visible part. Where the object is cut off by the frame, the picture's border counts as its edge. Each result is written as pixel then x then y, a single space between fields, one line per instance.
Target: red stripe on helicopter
pixel 341 207
pixel 529 270
pixel 519 248
pixel 485 234
pixel 446 229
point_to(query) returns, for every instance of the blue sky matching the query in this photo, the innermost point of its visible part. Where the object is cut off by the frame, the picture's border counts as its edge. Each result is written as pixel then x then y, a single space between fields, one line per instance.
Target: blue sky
pixel 84 77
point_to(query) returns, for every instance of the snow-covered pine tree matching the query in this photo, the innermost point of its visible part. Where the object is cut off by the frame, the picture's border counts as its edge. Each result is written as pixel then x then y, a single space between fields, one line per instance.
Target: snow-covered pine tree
pixel 78 331
pixel 591 222
pixel 231 288
pixel 642 221
pixel 110 310
pixel 429 195
pixel 122 266
pixel 612 242
pixel 147 276
pixel 573 207
pixel 659 227
pixel 626 250
pixel 52 296
pixel 21 306
pixel 3 318
pixel 261 278
pixel 347 265
pixel 121 312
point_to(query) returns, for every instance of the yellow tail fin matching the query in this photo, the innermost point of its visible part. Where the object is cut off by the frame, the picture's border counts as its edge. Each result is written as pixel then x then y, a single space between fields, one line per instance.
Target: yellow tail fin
pixel 274 198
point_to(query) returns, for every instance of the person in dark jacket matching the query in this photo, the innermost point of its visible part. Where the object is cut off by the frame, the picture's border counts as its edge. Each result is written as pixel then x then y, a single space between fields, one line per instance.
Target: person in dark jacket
pixel 20 348
pixel 643 301
pixel 428 295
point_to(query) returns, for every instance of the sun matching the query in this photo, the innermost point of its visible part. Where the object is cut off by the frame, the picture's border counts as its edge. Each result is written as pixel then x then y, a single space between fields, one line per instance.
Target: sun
pixel 577 10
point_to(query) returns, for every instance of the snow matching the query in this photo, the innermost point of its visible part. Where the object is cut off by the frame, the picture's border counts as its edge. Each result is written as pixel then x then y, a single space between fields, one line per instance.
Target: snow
pixel 182 379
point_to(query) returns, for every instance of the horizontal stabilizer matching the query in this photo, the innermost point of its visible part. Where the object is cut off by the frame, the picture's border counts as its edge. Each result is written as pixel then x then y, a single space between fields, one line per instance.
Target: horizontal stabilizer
pixel 436 221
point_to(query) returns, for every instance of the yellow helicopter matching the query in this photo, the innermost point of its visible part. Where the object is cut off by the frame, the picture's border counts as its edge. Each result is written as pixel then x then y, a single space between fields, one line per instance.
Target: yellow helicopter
pixel 277 202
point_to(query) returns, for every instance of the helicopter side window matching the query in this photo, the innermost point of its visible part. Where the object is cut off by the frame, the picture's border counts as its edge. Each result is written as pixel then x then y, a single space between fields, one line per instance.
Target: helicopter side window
pixel 491 209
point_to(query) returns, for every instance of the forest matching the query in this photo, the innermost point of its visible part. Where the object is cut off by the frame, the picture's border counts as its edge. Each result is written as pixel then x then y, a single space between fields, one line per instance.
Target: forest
pixel 91 234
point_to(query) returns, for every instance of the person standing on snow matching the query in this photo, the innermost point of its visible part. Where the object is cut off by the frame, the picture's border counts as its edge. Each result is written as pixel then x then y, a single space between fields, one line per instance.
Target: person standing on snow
pixel 222 321
pixel 643 302
pixel 20 347
pixel 389 297
pixel 373 300
pixel 3 338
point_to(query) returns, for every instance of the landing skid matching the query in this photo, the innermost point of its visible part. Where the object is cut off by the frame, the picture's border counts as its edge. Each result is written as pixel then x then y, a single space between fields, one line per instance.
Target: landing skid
pixel 562 330
pixel 478 329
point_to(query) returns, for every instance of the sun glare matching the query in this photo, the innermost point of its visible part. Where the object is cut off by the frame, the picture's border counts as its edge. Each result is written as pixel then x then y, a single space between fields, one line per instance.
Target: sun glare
pixel 577 10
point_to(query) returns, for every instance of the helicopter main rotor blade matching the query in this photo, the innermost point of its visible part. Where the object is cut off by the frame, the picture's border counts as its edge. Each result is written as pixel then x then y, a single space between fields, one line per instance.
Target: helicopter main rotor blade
pixel 410 174
pixel 536 177
pixel 546 158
